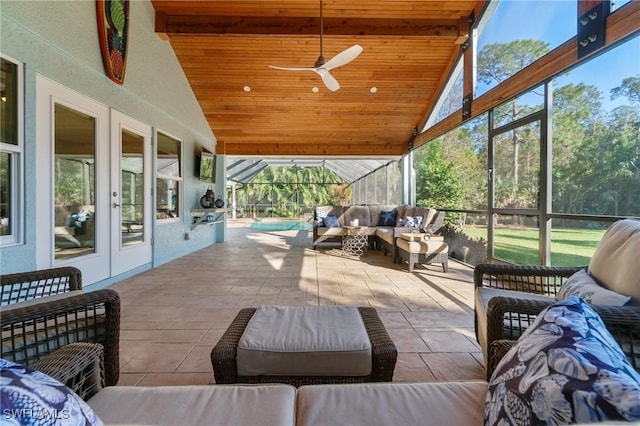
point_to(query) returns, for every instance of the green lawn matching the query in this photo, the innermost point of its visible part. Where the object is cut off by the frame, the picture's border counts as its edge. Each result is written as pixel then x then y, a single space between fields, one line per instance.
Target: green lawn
pixel 569 247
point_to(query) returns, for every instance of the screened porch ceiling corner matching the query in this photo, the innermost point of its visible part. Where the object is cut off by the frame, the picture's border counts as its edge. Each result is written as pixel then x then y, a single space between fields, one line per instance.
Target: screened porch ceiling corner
pixel 225 47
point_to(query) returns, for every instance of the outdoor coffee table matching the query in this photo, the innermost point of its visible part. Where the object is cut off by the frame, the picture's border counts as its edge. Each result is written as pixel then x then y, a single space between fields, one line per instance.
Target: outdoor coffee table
pixel 224 356
pixel 355 240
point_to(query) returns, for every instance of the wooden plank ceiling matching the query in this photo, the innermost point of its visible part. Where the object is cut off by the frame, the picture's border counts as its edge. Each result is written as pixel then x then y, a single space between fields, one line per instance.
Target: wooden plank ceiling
pixel 409 48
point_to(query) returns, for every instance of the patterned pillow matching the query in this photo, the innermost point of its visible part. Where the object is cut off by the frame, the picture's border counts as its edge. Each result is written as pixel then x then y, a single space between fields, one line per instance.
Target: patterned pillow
pixel 388 217
pixel 331 222
pixel 29 397
pixel 565 368
pixel 410 221
pixel 320 217
pixel 582 284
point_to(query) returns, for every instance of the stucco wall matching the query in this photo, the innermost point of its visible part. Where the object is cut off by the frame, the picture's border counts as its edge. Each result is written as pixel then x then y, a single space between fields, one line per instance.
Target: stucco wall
pixel 59 39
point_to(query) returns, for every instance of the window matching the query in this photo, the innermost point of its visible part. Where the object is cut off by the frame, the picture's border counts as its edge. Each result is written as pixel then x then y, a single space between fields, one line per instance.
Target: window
pixel 596 135
pixel 169 177
pixel 10 149
pixel 522 31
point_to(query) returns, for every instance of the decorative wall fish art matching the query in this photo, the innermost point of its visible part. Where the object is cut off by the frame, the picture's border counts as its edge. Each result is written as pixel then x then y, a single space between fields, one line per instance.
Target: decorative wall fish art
pixel 113 31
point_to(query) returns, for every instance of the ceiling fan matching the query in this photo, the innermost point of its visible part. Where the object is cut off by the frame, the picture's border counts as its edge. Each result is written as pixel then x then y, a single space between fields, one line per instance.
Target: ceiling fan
pixel 322 66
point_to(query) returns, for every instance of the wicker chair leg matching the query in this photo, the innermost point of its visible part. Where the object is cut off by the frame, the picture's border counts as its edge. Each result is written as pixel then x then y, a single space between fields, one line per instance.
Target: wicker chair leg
pixel 413 259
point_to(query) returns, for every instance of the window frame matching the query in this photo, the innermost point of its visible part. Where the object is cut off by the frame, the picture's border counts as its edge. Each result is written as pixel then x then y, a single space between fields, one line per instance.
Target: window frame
pixel 179 179
pixel 16 162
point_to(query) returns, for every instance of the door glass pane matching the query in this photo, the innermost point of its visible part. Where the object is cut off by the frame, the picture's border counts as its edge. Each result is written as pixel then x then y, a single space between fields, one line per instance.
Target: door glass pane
pixel 132 188
pixel 74 183
pixel 517 167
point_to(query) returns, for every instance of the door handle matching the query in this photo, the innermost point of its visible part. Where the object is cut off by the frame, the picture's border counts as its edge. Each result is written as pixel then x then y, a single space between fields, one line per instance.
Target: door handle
pixel 115 205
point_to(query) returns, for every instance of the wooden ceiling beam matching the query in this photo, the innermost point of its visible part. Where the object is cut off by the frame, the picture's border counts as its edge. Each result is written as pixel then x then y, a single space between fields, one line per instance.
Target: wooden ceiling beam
pixel 310 149
pixel 166 25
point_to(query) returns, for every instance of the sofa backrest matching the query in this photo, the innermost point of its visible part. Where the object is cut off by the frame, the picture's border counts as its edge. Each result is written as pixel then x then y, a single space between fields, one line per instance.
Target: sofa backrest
pixel 362 213
pixel 369 215
pixel 616 261
pixel 375 210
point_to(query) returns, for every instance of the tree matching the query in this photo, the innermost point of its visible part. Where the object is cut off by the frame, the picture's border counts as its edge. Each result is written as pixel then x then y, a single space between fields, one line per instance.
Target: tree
pixel 577 108
pixel 287 191
pixel 437 184
pixel 499 61
pixel 630 88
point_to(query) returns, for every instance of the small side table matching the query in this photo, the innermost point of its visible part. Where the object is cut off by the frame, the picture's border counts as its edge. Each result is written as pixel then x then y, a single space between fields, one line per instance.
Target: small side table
pixel 355 240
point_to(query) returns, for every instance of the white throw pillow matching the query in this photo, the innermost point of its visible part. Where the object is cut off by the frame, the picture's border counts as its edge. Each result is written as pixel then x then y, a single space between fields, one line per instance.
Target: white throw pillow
pixel 584 285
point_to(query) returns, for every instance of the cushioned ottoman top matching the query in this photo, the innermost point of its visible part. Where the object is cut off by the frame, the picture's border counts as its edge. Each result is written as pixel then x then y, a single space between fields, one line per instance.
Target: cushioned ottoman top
pixel 305 341
pixel 424 246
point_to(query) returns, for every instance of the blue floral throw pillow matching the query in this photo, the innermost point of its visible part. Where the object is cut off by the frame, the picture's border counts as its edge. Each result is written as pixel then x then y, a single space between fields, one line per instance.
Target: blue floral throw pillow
pixel 331 222
pixel 388 217
pixel 29 397
pixel 321 216
pixel 410 221
pixel 565 368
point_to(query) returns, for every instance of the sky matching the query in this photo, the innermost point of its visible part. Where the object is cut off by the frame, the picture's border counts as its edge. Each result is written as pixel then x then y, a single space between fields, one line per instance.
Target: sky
pixel 554 22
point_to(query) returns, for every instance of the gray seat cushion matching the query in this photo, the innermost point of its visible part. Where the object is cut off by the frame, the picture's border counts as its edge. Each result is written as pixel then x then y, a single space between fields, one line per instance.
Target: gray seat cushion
pixel 305 341
pixel 449 403
pixel 196 405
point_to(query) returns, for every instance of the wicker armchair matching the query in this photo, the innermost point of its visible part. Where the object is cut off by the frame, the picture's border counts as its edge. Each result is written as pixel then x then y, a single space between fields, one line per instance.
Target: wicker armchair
pixel 47 314
pixel 539 283
pixel 508 315
pixel 613 267
pixel 20 287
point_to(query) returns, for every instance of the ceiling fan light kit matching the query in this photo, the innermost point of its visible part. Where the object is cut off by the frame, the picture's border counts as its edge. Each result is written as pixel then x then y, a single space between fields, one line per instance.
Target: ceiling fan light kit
pixel 322 66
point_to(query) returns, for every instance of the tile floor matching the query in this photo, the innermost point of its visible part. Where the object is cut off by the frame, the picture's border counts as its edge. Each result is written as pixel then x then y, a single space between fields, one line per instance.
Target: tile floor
pixel 173 315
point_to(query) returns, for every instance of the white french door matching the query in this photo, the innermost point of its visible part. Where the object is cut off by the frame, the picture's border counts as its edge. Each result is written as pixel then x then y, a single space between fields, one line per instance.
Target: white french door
pixel 130 196
pixel 93 185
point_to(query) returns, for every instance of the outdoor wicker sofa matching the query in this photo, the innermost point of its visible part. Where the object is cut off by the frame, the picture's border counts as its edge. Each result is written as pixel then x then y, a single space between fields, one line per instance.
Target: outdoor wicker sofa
pixel 47 309
pixel 80 366
pixel 382 232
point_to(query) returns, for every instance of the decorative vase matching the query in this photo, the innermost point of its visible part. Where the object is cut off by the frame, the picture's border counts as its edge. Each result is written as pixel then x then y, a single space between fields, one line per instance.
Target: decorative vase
pixel 207 201
pixel 219 203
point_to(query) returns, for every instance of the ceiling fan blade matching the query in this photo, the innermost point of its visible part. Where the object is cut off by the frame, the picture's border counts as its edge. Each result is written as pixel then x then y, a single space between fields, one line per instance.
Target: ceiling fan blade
pixel 343 57
pixel 328 80
pixel 293 68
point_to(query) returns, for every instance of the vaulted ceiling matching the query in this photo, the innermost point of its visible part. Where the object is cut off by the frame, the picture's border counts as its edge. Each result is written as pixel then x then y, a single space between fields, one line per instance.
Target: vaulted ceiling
pixel 226 46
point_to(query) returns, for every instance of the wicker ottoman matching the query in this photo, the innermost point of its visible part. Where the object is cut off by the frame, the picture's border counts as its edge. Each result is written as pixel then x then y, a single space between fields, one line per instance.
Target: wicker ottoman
pixel 415 248
pixel 224 356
